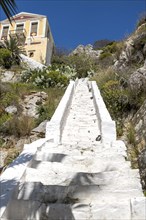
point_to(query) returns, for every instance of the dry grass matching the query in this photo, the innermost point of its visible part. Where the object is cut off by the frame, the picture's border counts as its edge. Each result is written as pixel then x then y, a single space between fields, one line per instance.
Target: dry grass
pixel 104 75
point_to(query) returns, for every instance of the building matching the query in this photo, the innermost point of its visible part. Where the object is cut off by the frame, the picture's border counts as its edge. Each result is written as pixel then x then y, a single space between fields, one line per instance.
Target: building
pixel 33 32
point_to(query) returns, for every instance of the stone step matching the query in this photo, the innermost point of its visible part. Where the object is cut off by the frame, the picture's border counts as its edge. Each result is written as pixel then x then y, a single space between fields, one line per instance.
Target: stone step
pixel 35 191
pixel 119 210
pixel 88 165
pixel 83 148
pixel 105 181
pixel 64 158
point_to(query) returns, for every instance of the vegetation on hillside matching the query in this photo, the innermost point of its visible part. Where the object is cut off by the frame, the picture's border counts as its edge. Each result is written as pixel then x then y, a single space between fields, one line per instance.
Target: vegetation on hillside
pixel 10 52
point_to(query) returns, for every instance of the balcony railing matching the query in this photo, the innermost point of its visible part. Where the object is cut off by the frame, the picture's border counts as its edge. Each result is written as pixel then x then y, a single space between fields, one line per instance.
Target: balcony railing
pixel 19 33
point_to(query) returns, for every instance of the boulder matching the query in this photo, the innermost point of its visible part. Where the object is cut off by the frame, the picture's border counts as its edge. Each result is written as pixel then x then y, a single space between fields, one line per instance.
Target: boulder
pixel 40 130
pixel 10 76
pixel 11 109
pixel 31 102
pixel 137 80
pixel 88 50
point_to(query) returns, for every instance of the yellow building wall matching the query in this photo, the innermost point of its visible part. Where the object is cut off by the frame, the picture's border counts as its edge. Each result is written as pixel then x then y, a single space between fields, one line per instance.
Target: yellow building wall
pixel 38 45
pixel 38 48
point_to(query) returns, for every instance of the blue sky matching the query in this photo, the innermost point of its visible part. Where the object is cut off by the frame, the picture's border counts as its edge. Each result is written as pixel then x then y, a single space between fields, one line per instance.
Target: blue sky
pixel 75 22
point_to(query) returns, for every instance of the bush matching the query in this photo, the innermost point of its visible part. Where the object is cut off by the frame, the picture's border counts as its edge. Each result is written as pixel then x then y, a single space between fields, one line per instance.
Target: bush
pixel 10 98
pixel 5 58
pixel 45 78
pixel 84 65
pixel 111 51
pixel 141 20
pixel 104 55
pixel 131 135
pixel 115 98
pixel 3 119
pixel 46 111
pixel 21 126
pixel 99 44
pixel 104 75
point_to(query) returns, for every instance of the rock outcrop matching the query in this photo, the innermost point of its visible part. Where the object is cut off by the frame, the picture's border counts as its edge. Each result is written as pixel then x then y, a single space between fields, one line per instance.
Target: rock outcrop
pixel 134 51
pixel 137 80
pixel 142 167
pixel 88 50
pixel 9 76
pixel 31 102
pixel 139 122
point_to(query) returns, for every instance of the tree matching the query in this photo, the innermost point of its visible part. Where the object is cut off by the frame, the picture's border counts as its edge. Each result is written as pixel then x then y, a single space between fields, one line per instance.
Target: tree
pixel 9 7
pixel 16 50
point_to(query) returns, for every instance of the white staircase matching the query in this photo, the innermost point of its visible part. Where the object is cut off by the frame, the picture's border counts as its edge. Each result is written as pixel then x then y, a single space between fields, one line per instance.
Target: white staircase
pixel 81 178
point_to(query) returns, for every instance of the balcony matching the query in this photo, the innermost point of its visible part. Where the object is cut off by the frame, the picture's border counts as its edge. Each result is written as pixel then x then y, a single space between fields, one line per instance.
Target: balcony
pixel 19 34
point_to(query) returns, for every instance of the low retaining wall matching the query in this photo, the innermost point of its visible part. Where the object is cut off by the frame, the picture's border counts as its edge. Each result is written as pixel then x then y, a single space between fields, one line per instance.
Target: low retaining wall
pixel 107 125
pixel 55 126
pixel 12 175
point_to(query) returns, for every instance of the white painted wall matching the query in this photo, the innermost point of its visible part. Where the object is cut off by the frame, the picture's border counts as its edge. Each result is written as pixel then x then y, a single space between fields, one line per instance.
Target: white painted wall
pixel 107 125
pixel 54 127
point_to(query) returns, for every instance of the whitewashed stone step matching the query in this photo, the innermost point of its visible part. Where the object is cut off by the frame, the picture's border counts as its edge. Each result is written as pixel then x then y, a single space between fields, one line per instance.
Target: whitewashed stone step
pixel 28 210
pixel 36 191
pixel 105 181
pixel 64 158
pixel 24 210
pixel 98 165
pixel 82 148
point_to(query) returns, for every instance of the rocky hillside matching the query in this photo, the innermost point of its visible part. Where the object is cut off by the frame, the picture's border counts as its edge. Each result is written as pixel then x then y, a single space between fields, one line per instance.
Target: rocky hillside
pixel 120 71
pixel 123 86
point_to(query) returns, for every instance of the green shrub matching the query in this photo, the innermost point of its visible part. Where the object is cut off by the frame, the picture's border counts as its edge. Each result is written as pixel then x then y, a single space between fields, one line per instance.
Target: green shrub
pixel 135 99
pixel 4 118
pixel 142 20
pixel 114 48
pixel 119 127
pixel 104 75
pixel 99 44
pixel 46 111
pixel 84 65
pixel 131 135
pixel 10 98
pixel 104 55
pixel 115 98
pixel 5 58
pixel 45 78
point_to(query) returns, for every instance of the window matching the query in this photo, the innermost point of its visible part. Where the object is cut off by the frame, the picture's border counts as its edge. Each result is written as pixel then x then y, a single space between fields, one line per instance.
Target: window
pixel 5 32
pixel 19 28
pixel 34 27
pixel 31 54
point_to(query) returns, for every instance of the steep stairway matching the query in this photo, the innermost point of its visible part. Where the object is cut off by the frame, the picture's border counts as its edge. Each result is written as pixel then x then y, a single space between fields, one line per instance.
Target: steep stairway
pixel 81 178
